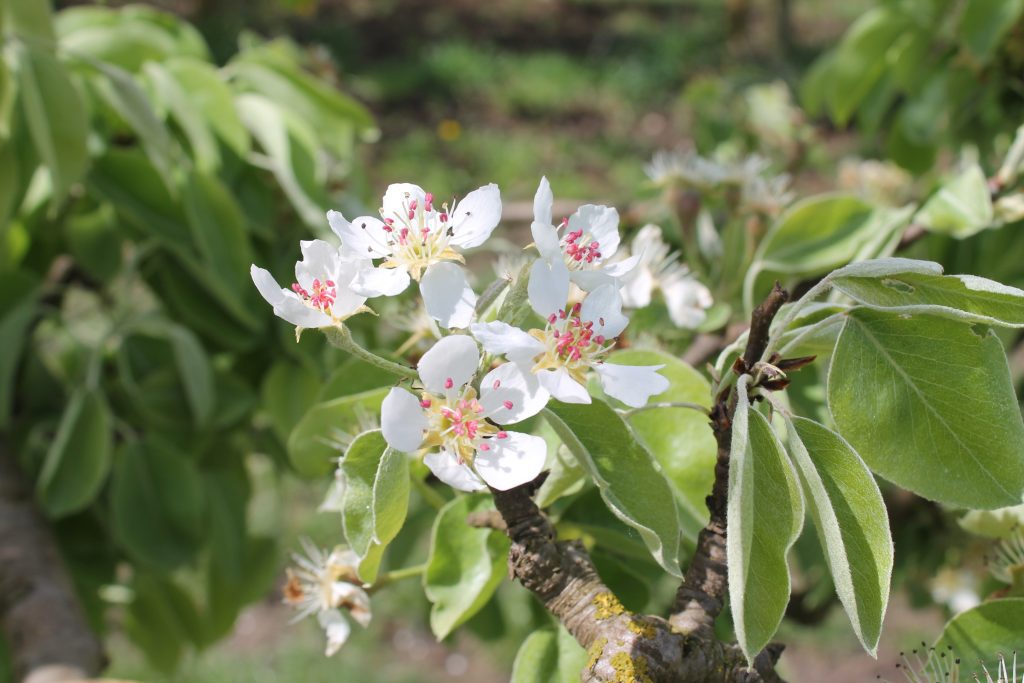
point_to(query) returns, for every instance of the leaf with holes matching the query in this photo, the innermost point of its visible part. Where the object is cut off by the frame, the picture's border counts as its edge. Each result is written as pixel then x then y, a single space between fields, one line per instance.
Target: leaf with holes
pixel 928 403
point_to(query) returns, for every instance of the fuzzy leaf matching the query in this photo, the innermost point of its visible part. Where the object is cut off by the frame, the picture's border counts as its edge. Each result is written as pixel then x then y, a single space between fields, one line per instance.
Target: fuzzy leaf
pixel 928 403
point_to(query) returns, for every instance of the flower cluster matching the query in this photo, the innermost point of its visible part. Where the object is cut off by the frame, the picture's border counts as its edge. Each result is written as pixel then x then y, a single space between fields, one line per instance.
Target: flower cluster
pixel 484 374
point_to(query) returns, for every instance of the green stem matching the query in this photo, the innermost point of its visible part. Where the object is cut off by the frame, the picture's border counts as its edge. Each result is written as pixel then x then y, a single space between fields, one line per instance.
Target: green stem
pixel 667 404
pixel 387 578
pixel 341 338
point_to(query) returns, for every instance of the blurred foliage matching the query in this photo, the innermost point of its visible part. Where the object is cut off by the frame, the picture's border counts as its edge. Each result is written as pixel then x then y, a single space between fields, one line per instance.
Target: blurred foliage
pixel 922 75
pixel 140 180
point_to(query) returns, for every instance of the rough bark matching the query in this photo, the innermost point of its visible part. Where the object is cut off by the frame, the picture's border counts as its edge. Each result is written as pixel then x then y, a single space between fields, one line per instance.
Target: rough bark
pixel 625 646
pixel 42 621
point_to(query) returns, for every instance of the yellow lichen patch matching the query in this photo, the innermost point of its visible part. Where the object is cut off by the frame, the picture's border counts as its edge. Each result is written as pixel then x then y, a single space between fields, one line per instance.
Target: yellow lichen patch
pixel 608 606
pixel 642 629
pixel 595 652
pixel 630 670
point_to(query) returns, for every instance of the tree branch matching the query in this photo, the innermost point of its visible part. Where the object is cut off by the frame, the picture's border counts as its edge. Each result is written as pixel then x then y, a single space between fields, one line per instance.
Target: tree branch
pixel 40 616
pixel 623 646
pixel 701 595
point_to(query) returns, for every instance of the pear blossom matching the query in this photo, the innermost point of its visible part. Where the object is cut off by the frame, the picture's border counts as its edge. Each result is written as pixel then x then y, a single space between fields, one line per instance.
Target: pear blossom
pixel 686 298
pixel 324 584
pixel 456 426
pixel 575 340
pixel 419 240
pixel 585 242
pixel 322 294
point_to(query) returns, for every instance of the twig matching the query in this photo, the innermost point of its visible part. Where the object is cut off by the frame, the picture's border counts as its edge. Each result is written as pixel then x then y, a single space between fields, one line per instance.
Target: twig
pixel 701 595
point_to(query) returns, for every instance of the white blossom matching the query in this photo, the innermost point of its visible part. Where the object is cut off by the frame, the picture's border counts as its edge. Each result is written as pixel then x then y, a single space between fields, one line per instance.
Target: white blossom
pixel 322 294
pixel 686 298
pixel 585 242
pixel 324 584
pixel 419 240
pixel 574 341
pixel 455 426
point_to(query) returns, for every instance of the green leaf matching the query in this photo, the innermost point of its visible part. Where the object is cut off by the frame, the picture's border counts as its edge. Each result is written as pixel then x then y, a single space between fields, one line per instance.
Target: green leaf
pixel 852 523
pixel 179 102
pixel 984 23
pixel 291 153
pixel 963 297
pixel 289 390
pixel 982 633
pixel 631 481
pixel 195 371
pixel 28 19
pixel 79 457
pixel 124 95
pixel 218 229
pixel 209 94
pixel 55 116
pixel 18 307
pixel 157 504
pixel 321 435
pixel 679 438
pixel 465 565
pixel 816 234
pixel 161 620
pixel 550 655
pixel 928 403
pixel 961 207
pixel 862 58
pixel 376 497
pixel 765 517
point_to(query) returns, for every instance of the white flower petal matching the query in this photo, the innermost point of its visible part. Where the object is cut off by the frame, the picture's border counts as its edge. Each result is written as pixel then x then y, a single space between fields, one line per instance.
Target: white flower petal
pixel 545 238
pixel 320 261
pixel 475 217
pixel 542 202
pixel 398 197
pixel 686 300
pixel 603 307
pixel 381 281
pixel 510 393
pixel 364 237
pixel 502 339
pixel 267 285
pixel 623 268
pixel 402 421
pixel 631 384
pixel 589 280
pixel 446 467
pixel 512 461
pixel 453 358
pixel 354 599
pixel 637 288
pixel 447 295
pixel 548 288
pixel 601 223
pixel 562 386
pixel 337 629
pixel 347 300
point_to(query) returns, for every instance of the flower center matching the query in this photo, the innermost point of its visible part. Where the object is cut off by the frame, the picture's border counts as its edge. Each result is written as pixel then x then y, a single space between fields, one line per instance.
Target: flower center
pixel 458 422
pixel 570 343
pixel 321 298
pixel 579 250
pixel 418 236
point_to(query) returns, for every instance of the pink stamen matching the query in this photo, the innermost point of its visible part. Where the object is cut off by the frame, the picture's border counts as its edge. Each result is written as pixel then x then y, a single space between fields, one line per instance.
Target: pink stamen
pixel 502 435
pixel 507 404
pixel 449 383
pixel 425 403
